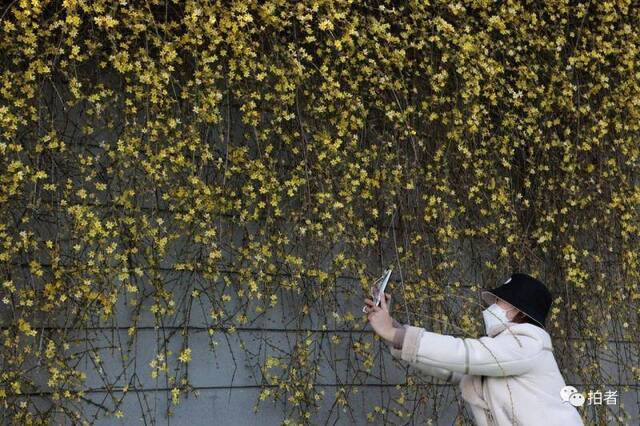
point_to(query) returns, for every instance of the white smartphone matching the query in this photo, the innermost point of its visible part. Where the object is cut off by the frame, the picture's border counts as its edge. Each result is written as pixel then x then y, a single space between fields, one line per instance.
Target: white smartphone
pixel 378 287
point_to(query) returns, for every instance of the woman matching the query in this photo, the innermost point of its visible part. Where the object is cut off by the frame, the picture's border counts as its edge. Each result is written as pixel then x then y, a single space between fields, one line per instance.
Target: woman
pixel 509 376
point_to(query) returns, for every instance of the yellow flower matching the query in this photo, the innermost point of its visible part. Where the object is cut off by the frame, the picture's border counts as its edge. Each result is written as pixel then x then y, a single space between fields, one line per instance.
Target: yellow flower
pixel 185 355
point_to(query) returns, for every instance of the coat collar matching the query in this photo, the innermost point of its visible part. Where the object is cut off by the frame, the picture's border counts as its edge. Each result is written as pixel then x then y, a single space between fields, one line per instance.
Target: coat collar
pixel 499 328
pixel 523 328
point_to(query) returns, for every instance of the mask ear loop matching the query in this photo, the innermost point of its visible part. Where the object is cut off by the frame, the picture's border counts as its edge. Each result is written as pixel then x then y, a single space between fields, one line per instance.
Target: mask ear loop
pixel 506 311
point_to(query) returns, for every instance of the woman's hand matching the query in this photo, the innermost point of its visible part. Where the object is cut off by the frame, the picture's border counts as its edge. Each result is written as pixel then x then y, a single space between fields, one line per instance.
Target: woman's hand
pixel 380 319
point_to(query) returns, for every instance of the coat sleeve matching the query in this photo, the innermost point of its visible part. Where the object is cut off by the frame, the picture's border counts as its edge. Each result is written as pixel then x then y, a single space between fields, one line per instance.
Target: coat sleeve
pixel 503 355
pixel 437 372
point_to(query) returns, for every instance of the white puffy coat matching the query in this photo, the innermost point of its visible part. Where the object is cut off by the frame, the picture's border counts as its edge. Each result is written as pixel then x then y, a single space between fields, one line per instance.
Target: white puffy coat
pixel 508 378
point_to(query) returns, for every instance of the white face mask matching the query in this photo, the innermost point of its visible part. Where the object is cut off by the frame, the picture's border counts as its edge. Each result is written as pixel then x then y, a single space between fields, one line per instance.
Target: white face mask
pixel 494 315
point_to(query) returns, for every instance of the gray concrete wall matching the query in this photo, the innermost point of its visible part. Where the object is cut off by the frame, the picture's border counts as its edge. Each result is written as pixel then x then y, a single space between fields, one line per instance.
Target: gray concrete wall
pixel 228 381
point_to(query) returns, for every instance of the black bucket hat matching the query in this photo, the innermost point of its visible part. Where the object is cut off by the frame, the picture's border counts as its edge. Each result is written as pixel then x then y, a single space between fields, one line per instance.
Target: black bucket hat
pixel 526 293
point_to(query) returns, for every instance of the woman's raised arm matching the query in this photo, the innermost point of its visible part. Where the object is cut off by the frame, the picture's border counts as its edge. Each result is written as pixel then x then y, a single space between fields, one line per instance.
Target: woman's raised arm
pixel 503 355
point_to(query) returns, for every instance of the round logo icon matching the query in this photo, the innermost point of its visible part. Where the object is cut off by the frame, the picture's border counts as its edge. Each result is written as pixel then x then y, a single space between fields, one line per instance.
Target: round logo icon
pixel 570 394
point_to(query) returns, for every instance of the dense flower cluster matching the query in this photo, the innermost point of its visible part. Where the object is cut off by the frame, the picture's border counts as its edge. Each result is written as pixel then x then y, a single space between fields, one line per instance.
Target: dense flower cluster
pixel 259 154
